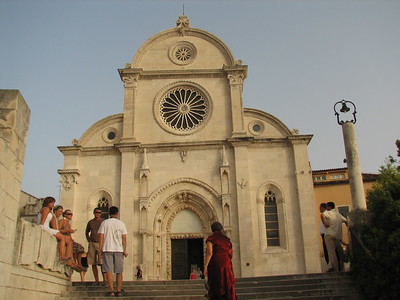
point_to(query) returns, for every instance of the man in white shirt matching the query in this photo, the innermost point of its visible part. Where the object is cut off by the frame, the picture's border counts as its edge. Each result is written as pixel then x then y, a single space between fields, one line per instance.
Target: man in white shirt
pixel 112 242
pixel 333 223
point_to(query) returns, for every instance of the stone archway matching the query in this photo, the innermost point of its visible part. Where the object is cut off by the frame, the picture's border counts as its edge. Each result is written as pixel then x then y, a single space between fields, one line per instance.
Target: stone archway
pixel 163 227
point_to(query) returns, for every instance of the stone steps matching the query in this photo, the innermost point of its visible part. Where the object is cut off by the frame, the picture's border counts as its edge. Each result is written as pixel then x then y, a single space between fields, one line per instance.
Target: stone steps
pixel 302 286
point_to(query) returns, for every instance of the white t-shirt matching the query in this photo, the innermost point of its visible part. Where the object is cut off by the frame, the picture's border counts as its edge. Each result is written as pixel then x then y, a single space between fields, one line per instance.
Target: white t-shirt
pixel 113 230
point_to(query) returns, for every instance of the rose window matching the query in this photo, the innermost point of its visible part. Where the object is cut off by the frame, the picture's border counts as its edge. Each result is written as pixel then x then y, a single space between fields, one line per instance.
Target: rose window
pixel 183 108
pixel 183 53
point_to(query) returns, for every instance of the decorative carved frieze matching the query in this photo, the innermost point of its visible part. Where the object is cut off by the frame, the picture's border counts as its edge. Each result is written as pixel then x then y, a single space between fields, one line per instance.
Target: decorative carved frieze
pixel 130 80
pixel 183 155
pixel 182 180
pixel 68 177
pixel 235 79
pixel 243 183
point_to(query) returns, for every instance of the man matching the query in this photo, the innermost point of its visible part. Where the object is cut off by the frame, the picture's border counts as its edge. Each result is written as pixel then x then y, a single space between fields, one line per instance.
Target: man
pixel 333 223
pixel 112 234
pixel 92 236
pixel 322 230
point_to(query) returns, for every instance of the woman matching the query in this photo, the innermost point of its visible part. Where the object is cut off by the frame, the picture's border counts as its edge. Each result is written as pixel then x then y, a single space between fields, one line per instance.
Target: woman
pixel 65 229
pixel 218 265
pixel 44 218
pixel 55 224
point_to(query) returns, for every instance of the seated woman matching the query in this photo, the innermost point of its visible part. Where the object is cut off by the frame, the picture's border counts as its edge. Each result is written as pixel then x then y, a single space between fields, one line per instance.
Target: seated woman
pixel 54 223
pixel 65 228
pixel 44 218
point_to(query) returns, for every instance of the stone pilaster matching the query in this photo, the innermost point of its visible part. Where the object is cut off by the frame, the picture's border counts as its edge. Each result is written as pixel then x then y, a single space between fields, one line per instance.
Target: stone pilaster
pixel 245 210
pixel 144 193
pixel 225 178
pixel 305 194
pixel 236 76
pixel 69 175
pixel 128 201
pixel 130 78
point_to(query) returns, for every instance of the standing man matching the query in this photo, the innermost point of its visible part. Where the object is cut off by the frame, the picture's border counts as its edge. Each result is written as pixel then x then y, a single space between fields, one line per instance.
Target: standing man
pixel 333 223
pixel 112 233
pixel 92 236
pixel 322 230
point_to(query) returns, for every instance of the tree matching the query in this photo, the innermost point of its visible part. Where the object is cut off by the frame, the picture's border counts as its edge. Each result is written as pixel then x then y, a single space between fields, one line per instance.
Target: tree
pixel 378 274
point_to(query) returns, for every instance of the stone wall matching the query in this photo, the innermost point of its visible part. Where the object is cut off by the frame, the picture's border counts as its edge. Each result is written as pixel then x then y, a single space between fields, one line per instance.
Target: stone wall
pixel 28 257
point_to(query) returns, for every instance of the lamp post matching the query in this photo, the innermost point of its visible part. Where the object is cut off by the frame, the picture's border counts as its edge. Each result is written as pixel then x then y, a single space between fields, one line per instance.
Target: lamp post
pixel 345 112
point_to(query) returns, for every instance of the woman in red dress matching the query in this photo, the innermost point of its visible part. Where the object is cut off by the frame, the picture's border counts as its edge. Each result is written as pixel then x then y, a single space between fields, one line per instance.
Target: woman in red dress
pixel 218 265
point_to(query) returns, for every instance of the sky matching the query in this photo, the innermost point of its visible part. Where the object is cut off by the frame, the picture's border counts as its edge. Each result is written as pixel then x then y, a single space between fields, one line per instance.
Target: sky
pixel 303 56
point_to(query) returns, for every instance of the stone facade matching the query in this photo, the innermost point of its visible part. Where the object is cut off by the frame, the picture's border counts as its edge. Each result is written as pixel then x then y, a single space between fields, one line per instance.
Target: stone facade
pixel 185 153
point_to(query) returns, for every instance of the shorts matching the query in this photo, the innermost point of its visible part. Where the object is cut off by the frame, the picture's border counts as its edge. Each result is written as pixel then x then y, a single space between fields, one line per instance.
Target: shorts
pixel 113 262
pixel 77 248
pixel 92 258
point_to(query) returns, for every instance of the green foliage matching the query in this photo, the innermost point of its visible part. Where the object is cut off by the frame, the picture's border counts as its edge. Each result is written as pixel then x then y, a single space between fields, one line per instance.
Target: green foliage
pixel 379 275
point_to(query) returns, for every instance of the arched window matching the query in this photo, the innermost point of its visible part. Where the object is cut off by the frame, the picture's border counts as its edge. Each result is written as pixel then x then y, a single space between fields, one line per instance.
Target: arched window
pixel 271 219
pixel 104 206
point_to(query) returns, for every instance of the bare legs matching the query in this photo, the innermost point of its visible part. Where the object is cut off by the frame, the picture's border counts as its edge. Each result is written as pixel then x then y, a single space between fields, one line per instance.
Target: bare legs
pixel 61 245
pixel 96 274
pixel 110 283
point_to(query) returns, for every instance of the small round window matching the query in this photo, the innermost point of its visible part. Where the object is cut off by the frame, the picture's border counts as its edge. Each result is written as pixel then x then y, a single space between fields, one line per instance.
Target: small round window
pixel 256 127
pixel 111 135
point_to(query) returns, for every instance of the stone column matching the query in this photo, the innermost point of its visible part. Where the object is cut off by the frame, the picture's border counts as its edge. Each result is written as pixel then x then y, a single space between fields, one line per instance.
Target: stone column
pixel 236 75
pixel 130 78
pixel 14 124
pixel 354 167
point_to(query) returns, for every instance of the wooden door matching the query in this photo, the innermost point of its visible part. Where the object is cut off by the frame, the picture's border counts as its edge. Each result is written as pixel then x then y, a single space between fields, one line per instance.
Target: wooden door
pixel 179 259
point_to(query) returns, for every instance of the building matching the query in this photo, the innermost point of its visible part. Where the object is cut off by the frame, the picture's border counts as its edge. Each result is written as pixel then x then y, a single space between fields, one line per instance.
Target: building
pixel 185 153
pixel 332 185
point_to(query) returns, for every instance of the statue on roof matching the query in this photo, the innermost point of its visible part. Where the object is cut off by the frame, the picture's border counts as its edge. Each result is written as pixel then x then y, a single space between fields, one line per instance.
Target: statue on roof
pixel 182 23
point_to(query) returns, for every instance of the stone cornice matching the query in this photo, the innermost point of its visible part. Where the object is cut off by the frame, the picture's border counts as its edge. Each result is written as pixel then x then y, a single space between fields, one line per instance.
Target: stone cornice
pixel 300 139
pixel 68 171
pixel 204 145
pixel 236 70
pixel 241 141
pixel 171 74
pixel 128 147
pixel 70 150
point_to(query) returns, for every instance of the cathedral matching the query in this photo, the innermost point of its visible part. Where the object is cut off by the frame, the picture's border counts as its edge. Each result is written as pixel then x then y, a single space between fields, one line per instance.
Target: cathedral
pixel 185 153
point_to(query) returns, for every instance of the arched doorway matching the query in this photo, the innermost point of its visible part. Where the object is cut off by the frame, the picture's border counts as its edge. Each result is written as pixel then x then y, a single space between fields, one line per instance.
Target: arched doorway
pixel 187 244
pixel 181 227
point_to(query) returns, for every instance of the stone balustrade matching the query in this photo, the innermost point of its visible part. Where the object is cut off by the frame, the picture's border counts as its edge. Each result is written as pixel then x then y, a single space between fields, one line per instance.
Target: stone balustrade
pixel 36 247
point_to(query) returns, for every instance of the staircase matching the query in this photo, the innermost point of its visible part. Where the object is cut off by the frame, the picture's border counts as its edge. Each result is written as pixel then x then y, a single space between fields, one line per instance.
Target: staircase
pixel 303 286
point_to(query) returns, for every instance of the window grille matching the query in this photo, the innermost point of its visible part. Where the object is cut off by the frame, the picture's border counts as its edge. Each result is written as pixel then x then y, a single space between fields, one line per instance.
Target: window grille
pixel 271 219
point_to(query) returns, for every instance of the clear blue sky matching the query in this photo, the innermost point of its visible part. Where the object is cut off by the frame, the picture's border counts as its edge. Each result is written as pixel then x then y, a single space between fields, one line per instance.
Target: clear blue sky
pixel 303 56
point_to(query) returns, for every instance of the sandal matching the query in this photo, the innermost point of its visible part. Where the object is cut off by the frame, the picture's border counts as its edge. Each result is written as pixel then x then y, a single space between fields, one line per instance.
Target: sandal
pixel 65 260
pixel 110 293
pixel 118 294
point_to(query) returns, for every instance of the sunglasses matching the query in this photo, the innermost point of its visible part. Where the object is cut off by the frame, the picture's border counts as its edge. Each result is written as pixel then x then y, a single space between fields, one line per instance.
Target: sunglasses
pixel 97 212
pixel 69 214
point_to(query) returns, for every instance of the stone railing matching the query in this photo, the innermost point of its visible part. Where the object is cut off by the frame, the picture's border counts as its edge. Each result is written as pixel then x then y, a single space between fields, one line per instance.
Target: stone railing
pixel 37 248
